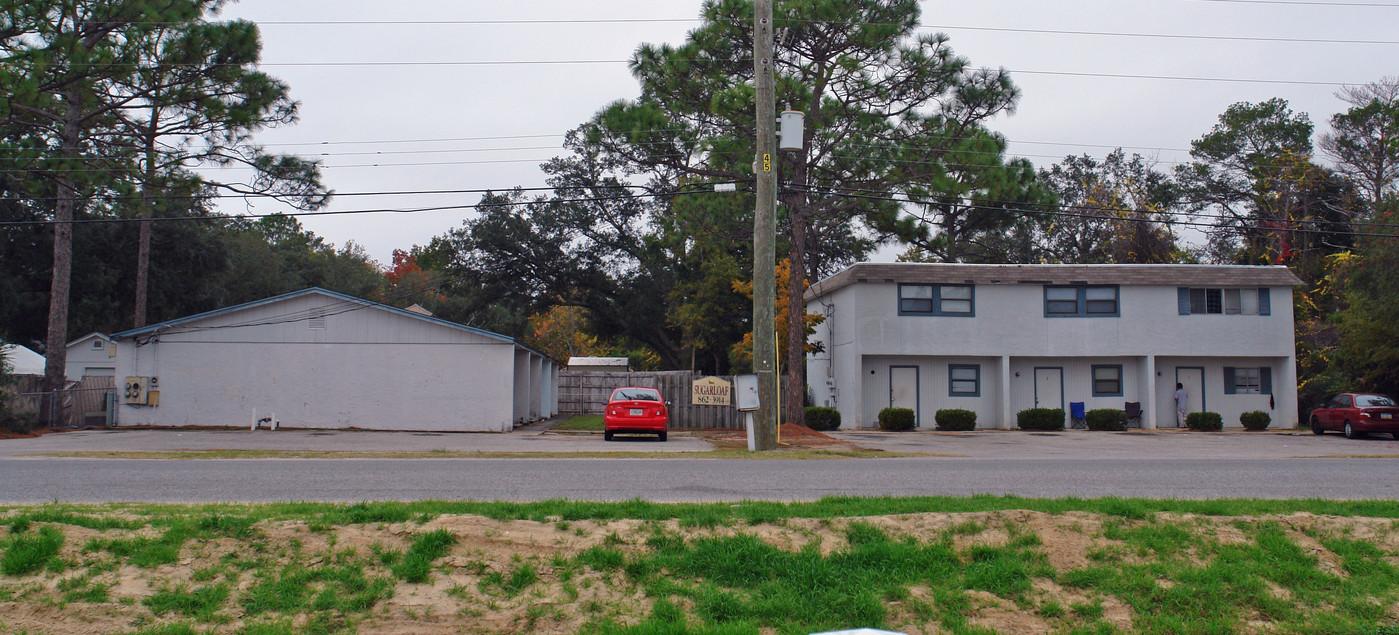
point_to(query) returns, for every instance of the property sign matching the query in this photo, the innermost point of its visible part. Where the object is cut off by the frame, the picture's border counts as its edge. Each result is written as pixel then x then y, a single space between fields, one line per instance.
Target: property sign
pixel 710 391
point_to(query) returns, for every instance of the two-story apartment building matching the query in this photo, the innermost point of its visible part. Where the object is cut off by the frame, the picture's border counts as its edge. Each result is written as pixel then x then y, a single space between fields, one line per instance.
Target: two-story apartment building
pixel 997 339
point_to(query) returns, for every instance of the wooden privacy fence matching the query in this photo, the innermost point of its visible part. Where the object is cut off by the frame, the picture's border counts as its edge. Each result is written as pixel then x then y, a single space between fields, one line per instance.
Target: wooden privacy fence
pixel 586 392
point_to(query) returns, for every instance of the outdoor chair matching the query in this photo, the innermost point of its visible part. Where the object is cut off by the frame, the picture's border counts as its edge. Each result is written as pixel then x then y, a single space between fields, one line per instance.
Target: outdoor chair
pixel 1077 419
pixel 1134 413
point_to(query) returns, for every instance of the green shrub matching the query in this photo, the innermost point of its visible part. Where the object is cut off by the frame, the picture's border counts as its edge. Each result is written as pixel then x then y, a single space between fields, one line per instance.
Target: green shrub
pixel 896 419
pixel 1106 419
pixel 1255 420
pixel 1204 421
pixel 1040 419
pixel 955 419
pixel 16 422
pixel 822 419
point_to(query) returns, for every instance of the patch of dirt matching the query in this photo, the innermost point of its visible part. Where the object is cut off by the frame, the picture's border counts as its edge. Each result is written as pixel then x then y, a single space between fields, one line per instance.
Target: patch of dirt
pixel 467 588
pixel 789 437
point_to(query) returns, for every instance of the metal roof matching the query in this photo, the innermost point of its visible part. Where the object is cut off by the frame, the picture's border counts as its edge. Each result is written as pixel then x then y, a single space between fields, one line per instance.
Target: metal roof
pixel 1127 275
pixel 341 297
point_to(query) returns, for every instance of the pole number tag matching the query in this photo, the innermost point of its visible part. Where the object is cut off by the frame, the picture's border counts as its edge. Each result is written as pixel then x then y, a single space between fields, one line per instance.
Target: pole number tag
pixel 767 162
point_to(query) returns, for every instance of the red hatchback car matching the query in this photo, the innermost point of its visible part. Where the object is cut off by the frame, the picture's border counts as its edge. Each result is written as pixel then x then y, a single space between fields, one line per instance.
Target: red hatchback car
pixel 635 409
pixel 1356 414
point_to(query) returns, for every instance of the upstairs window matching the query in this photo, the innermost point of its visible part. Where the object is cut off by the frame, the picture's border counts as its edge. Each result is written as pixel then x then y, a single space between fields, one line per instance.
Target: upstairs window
pixel 1209 301
pixel 937 299
pixel 1081 301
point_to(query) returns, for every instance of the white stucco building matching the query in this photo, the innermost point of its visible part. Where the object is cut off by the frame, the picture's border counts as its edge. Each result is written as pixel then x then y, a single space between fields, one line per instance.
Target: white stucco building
pixel 319 359
pixel 998 339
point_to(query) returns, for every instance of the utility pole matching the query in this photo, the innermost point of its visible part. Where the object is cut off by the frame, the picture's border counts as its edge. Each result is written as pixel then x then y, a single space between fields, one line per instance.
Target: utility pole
pixel 765 230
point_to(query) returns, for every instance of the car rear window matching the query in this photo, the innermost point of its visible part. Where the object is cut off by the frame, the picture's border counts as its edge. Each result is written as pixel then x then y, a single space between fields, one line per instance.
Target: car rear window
pixel 636 394
pixel 1373 401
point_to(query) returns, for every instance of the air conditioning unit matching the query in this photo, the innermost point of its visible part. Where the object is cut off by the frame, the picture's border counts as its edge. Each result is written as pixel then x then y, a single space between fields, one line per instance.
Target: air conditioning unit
pixel 135 390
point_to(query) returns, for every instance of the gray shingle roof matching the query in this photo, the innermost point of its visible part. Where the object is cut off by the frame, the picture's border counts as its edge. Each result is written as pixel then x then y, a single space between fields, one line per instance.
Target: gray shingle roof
pixel 1138 275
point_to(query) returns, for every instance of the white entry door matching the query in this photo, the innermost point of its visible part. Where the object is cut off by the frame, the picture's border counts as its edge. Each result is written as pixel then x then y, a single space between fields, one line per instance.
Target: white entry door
pixel 1049 388
pixel 903 389
pixel 1193 379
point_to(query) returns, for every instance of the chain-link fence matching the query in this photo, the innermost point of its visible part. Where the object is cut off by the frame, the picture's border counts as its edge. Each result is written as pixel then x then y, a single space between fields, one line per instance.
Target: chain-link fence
pixel 86 403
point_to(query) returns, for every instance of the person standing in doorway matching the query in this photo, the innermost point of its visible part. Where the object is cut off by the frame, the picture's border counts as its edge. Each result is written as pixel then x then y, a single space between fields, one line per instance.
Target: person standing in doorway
pixel 1182 405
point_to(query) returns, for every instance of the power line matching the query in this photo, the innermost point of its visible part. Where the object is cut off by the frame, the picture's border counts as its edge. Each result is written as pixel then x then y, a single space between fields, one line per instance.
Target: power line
pixel 1168 36
pixel 417 210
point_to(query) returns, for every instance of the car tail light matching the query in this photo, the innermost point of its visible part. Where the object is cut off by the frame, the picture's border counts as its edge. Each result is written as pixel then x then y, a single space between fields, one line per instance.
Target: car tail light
pixel 1365 414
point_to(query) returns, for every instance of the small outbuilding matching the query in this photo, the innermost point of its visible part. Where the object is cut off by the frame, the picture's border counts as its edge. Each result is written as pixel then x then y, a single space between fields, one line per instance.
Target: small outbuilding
pixel 321 359
pixel 92 355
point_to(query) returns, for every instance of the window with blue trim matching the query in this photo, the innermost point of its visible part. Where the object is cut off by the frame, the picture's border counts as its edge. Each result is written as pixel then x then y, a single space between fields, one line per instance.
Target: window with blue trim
pixel 1107 380
pixel 1081 301
pixel 964 380
pixel 937 299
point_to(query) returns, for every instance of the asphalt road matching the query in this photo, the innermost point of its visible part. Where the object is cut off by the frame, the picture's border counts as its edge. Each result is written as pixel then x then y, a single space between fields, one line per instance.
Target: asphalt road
pixel 32 480
pixel 1163 464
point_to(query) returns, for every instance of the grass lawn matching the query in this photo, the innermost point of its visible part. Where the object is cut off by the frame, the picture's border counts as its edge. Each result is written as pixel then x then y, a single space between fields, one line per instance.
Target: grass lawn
pixel 971 565
pixel 590 423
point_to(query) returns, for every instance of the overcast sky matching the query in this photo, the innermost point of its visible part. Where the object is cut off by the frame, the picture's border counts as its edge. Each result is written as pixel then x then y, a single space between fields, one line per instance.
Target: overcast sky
pixel 393 96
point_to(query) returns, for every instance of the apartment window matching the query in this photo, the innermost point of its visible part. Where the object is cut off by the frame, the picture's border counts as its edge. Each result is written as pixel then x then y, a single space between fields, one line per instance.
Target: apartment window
pixel 954 299
pixel 1081 301
pixel 96 344
pixel 964 380
pixel 1248 380
pixel 937 299
pixel 1206 301
pixel 1107 380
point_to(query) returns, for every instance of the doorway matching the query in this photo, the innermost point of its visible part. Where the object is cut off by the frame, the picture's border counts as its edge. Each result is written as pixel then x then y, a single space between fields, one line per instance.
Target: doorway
pixel 1049 388
pixel 903 389
pixel 1193 379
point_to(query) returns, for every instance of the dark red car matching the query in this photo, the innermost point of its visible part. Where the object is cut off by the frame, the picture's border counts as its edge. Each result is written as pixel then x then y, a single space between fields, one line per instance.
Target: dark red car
pixel 1356 414
pixel 635 409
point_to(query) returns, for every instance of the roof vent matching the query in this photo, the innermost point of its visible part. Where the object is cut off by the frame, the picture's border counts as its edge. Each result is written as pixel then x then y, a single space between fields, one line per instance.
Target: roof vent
pixel 317 321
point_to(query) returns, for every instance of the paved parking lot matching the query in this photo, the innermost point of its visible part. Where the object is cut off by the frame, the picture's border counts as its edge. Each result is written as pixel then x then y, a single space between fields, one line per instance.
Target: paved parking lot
pixel 989 444
pixel 530 439
pixel 1136 444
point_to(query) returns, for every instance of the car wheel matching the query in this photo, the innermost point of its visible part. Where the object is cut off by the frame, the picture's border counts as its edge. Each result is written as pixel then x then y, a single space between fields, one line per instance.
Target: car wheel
pixel 662 435
pixel 1351 433
pixel 1316 427
pixel 607 435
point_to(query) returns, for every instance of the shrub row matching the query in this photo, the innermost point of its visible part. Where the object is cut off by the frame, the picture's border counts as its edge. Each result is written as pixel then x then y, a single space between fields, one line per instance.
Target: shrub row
pixel 954 419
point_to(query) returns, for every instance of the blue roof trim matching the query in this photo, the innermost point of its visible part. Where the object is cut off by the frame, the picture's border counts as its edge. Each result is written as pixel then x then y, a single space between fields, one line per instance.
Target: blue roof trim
pixel 332 294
